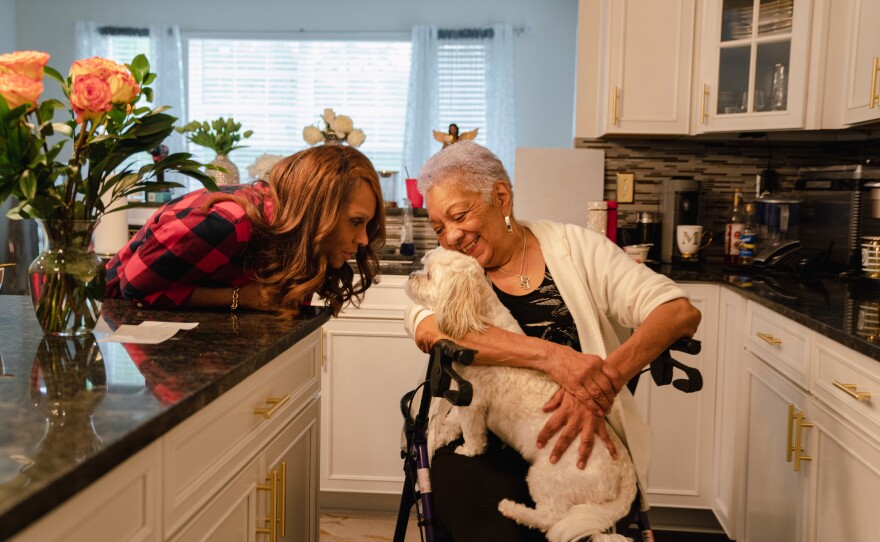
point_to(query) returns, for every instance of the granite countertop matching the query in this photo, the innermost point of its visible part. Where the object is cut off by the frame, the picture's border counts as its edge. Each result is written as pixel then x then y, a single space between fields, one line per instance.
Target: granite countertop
pixel 842 309
pixel 73 409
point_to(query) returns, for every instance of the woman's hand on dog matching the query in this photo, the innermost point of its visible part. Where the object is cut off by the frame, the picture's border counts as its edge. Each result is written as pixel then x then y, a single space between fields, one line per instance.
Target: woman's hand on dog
pixel 585 376
pixel 572 419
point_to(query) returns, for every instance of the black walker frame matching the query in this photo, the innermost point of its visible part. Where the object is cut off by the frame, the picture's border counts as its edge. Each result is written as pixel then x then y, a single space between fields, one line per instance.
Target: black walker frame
pixel 440 374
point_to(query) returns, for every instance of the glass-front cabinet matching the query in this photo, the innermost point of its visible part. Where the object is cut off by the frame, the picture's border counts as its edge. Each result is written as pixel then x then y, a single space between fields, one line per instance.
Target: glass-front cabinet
pixel 753 67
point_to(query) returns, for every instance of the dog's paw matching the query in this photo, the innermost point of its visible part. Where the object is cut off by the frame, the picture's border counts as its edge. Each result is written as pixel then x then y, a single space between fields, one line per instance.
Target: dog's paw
pixel 447 432
pixel 470 450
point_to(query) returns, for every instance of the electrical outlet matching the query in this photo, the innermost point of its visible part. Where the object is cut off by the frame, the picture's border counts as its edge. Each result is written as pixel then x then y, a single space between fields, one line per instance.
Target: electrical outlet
pixel 626 187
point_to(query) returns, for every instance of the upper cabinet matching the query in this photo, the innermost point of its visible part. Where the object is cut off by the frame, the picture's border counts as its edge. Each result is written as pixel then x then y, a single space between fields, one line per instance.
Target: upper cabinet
pixel 634 67
pixel 754 62
pixel 861 90
pixel 681 67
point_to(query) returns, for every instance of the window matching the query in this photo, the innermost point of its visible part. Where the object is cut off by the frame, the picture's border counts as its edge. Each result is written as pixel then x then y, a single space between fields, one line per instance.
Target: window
pixel 277 87
pixel 461 75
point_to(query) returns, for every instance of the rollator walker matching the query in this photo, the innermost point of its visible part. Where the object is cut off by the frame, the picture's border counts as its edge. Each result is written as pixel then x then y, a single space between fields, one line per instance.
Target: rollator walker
pixel 438 379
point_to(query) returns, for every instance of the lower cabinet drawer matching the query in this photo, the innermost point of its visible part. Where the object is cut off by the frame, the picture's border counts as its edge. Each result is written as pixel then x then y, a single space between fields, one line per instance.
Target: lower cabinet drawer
pixel 847 381
pixel 782 343
pixel 234 427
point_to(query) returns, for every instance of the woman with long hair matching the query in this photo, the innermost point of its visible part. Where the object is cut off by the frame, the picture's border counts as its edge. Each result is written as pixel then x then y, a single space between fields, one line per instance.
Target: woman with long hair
pixel 269 245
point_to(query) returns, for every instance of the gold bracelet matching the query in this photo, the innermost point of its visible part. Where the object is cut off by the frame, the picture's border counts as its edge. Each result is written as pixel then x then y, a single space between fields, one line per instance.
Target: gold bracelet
pixel 234 304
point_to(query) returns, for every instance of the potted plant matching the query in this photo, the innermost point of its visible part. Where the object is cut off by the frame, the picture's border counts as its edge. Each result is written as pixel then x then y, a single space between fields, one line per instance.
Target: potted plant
pixel 68 195
pixel 338 129
pixel 221 136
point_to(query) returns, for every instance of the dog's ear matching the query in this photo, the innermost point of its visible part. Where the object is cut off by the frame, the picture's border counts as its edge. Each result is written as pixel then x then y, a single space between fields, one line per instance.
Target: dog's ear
pixel 460 300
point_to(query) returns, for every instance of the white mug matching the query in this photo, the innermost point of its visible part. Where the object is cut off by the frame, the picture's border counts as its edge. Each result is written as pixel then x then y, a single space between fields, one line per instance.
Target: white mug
pixel 690 239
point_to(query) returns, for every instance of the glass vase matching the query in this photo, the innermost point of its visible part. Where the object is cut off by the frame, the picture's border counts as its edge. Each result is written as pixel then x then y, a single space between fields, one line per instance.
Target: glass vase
pixel 67 279
pixel 230 176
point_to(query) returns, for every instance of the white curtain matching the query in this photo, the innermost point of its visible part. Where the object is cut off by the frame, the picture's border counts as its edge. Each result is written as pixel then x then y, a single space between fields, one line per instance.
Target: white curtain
pixel 424 109
pixel 166 60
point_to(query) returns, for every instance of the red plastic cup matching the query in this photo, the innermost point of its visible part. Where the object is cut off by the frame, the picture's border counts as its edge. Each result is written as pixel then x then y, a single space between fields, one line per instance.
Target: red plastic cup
pixel 412 192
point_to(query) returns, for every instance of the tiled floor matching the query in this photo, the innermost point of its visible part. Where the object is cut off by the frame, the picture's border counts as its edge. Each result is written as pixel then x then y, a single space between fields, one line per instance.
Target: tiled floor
pixel 343 527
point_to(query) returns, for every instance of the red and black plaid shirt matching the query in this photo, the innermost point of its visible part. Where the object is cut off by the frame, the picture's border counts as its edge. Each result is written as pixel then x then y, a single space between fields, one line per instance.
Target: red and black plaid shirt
pixel 185 245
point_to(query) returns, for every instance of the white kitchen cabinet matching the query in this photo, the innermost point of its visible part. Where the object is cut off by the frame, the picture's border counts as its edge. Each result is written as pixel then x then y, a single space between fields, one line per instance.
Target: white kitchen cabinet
pixel 634 69
pixel 121 505
pixel 860 98
pixel 775 494
pixel 744 44
pixel 205 452
pixel 370 363
pixel 680 474
pixel 727 470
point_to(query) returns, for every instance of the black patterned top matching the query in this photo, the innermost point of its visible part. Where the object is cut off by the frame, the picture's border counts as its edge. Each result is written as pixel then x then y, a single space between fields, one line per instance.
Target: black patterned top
pixel 542 313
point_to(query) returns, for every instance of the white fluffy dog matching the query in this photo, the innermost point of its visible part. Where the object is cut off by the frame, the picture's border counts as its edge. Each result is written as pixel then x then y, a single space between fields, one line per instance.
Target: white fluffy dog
pixel 570 503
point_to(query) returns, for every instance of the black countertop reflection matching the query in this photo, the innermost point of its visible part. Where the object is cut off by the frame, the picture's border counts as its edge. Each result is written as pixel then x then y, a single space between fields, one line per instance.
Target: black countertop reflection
pixel 843 309
pixel 73 409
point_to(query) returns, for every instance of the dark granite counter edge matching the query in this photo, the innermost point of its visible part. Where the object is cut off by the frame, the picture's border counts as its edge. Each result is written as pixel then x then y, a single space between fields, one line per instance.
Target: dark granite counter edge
pixel 43 500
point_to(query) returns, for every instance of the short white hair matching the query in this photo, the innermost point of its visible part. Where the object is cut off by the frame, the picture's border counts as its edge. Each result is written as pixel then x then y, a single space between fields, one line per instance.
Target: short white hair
pixel 469 165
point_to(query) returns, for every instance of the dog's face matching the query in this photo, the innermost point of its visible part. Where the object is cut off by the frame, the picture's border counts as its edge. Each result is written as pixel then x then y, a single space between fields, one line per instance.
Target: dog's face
pixel 455 287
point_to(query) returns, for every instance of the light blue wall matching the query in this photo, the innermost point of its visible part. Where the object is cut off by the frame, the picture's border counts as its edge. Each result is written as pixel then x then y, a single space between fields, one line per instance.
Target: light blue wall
pixel 7 26
pixel 545 55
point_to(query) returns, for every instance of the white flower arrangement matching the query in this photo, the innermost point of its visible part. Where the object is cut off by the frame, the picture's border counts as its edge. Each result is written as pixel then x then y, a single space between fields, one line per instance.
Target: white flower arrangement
pixel 337 129
pixel 262 165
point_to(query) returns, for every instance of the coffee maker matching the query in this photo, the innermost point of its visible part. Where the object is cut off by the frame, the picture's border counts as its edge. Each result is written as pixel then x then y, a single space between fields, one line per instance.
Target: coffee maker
pixel 679 204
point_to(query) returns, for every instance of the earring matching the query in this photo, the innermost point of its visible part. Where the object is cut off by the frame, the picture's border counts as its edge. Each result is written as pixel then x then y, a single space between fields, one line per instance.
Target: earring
pixel 507 223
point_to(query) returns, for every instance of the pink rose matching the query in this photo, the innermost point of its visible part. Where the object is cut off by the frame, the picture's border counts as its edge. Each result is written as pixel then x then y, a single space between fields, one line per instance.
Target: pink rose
pixel 18 89
pixel 90 97
pixel 96 66
pixel 29 64
pixel 123 87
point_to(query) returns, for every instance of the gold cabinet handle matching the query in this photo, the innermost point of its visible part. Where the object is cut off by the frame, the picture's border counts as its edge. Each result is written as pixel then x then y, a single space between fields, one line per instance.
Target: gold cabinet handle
pixel 271 486
pixel 614 118
pixel 703 115
pixel 789 447
pixel 798 445
pixel 852 390
pixel 276 402
pixel 769 338
pixel 874 96
pixel 283 506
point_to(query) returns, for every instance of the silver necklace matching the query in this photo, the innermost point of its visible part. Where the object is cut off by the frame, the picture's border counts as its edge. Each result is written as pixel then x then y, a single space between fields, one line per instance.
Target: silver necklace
pixel 524 281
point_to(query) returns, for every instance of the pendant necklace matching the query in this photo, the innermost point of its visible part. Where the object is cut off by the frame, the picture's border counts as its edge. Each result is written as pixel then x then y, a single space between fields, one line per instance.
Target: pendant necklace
pixel 524 281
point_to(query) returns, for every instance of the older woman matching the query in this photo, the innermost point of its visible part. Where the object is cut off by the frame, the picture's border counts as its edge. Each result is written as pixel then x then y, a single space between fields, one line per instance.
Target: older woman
pixel 573 292
pixel 266 245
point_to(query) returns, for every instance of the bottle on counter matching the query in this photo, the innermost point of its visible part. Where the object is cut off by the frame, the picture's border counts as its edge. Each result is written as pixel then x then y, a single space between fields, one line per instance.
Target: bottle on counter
pixel 611 229
pixel 748 240
pixel 407 244
pixel 733 230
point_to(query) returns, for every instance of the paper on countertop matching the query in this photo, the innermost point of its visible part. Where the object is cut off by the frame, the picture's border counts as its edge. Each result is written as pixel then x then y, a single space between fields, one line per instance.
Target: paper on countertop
pixel 147 332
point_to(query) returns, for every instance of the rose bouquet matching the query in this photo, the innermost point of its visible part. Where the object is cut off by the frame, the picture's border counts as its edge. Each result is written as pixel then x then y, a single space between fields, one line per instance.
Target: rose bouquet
pixel 106 128
pixel 337 129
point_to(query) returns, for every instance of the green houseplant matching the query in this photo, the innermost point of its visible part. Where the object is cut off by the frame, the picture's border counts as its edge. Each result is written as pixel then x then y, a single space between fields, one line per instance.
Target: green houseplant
pixel 68 195
pixel 221 136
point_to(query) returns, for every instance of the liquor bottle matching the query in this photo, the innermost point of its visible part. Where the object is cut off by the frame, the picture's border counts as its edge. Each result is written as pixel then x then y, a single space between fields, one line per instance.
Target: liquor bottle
pixel 407 245
pixel 748 241
pixel 732 231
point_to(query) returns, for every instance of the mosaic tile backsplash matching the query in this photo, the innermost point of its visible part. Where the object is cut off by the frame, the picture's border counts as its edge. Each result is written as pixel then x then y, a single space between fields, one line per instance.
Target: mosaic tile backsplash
pixel 720 167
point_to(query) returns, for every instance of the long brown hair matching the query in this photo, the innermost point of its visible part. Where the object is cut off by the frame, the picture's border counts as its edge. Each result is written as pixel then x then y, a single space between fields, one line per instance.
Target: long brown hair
pixel 309 189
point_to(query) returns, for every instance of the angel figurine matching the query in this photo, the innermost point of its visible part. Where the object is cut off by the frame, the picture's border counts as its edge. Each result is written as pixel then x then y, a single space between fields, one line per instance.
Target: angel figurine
pixel 453 136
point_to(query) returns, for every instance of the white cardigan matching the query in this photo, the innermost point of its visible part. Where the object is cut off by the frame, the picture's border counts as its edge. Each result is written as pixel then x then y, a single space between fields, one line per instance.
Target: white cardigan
pixel 607 294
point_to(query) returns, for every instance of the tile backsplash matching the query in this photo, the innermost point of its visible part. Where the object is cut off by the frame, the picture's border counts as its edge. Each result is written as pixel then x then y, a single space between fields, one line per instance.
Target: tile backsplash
pixel 720 166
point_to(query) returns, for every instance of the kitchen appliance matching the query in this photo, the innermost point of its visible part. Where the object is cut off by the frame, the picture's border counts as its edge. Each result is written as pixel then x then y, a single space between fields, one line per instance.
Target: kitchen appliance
pixel 778 217
pixel 679 204
pixel 648 233
pixel 837 211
